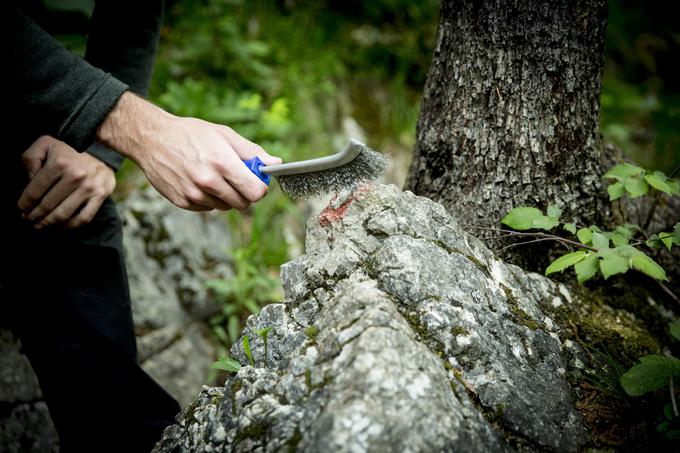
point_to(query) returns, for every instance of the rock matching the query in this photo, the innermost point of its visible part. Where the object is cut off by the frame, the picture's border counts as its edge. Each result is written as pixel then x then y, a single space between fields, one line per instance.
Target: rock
pixel 25 423
pixel 399 332
pixel 170 254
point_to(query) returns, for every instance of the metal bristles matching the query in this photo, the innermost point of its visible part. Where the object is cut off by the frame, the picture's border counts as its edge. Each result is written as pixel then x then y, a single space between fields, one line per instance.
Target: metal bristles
pixel 367 166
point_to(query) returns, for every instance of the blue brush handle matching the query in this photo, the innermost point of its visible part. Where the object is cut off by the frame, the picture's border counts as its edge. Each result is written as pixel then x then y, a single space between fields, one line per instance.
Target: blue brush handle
pixel 254 165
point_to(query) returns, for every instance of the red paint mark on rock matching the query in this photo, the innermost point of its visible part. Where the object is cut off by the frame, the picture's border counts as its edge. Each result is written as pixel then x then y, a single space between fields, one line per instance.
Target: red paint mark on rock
pixel 334 212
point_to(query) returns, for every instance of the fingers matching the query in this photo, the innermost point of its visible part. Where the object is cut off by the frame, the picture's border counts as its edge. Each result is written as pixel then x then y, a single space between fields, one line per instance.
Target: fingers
pixel 65 210
pixel 36 190
pixel 85 215
pixel 220 194
pixel 54 197
pixel 249 186
pixel 36 154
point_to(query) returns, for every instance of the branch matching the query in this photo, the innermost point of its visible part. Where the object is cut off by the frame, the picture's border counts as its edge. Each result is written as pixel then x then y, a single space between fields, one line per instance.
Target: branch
pixel 667 290
pixel 653 240
pixel 554 237
pixel 528 242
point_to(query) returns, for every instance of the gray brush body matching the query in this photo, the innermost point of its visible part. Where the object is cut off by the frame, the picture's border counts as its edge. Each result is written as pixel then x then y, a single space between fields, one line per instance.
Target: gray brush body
pixel 354 165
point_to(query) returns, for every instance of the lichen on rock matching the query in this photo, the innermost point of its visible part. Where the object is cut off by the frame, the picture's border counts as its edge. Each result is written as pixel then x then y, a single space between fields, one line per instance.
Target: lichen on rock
pixel 398 332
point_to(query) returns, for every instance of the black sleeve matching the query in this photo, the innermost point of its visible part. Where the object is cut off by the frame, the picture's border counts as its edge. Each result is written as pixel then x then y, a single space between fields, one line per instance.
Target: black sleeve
pixel 52 90
pixel 123 41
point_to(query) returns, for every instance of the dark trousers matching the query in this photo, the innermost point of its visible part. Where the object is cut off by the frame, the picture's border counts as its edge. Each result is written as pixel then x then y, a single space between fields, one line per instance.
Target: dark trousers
pixel 65 294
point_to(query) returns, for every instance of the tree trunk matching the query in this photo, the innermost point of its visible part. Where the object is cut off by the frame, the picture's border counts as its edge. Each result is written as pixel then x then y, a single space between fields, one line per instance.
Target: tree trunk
pixel 509 116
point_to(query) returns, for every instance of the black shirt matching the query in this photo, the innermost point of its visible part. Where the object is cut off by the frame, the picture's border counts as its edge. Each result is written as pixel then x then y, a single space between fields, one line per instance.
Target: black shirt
pixel 55 92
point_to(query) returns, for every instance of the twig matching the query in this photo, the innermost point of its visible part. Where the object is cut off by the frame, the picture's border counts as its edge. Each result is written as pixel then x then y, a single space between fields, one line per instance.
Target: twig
pixel 652 240
pixel 536 235
pixel 668 291
pixel 527 242
pixel 675 405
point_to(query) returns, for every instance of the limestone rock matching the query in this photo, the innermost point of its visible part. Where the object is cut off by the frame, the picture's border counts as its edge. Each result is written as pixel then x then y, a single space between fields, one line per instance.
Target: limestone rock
pixel 170 254
pixel 399 332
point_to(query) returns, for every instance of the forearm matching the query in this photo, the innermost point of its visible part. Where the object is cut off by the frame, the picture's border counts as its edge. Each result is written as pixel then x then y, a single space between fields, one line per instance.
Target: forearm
pixel 134 126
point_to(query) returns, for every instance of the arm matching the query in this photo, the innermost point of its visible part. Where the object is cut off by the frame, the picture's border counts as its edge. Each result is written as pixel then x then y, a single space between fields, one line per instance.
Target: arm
pixel 195 164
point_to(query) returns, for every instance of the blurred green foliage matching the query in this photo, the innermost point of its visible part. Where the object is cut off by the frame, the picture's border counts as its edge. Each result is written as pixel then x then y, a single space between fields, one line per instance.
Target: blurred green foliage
pixel 640 104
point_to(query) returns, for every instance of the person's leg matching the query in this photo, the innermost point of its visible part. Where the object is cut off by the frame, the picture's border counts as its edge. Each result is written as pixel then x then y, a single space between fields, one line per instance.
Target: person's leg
pixel 70 307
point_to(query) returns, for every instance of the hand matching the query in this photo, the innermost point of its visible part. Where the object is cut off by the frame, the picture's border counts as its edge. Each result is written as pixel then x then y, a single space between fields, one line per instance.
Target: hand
pixel 195 164
pixel 66 186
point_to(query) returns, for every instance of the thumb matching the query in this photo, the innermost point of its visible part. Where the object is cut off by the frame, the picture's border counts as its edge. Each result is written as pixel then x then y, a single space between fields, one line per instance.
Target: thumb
pixel 245 148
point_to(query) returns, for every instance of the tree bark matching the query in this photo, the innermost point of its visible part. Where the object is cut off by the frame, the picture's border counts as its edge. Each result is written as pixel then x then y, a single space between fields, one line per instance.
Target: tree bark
pixel 510 112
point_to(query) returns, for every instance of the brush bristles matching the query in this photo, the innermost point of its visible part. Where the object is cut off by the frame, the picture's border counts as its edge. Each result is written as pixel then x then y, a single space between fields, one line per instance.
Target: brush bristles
pixel 367 166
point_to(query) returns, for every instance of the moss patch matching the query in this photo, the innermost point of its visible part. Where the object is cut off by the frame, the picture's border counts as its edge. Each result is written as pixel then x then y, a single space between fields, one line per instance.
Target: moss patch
pixel 480 265
pixel 519 315
pixel 256 431
pixel 459 330
pixel 311 332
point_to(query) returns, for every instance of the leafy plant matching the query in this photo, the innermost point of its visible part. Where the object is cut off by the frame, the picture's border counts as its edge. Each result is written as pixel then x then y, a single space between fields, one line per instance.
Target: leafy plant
pixel 655 372
pixel 226 364
pixel 605 252
pixel 636 181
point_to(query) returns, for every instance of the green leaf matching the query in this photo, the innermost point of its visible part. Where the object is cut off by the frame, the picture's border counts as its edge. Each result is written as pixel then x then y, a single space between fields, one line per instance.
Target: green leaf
pixel 615 191
pixel 648 266
pixel 663 426
pixel 246 349
pixel 635 187
pixel 600 241
pixel 263 333
pixel 565 261
pixel 623 171
pixel 673 434
pixel 226 364
pixel 612 263
pixel 674 184
pixel 667 239
pixel 545 223
pixel 652 373
pixel 526 218
pixel 586 268
pixel 570 227
pixel 676 234
pixel 618 239
pixel 584 235
pixel 521 218
pixel 626 230
pixel 675 329
pixel 653 242
pixel 554 211
pixel 658 181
